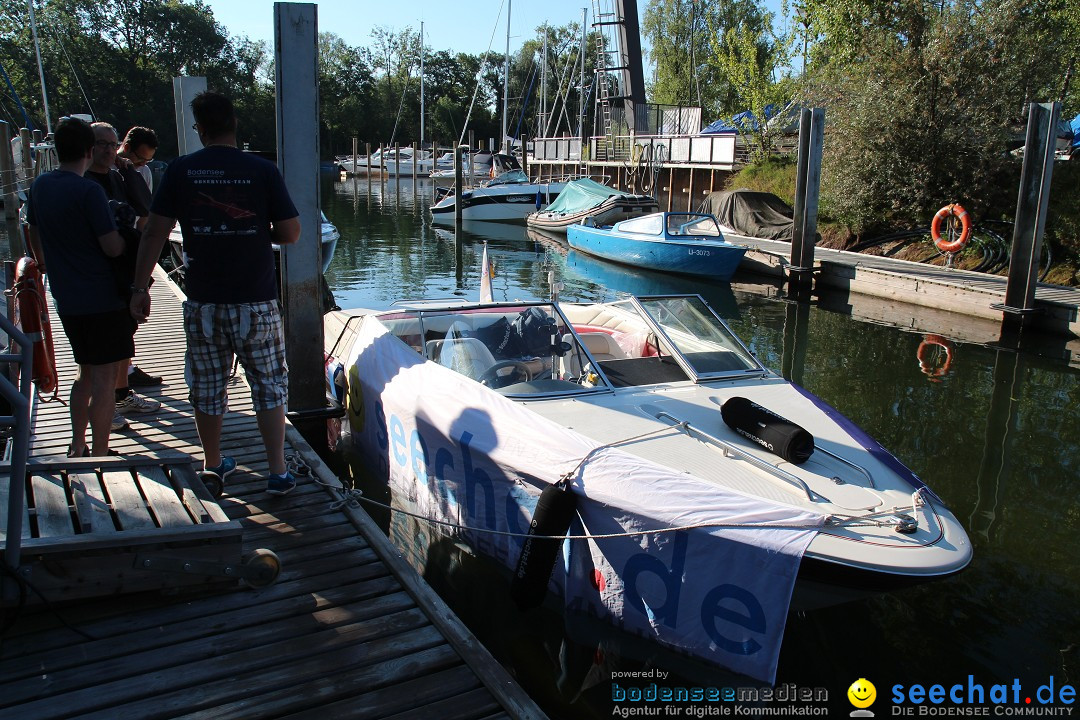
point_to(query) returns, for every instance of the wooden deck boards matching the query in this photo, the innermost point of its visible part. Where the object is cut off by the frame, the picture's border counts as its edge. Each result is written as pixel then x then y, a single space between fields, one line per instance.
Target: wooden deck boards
pixel 346 631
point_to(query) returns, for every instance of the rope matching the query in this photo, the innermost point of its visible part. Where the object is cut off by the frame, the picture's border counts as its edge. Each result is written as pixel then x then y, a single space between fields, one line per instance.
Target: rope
pixel 353 497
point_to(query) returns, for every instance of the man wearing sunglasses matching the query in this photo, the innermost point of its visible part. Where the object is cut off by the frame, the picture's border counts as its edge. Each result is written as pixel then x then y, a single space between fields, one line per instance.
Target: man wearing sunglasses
pixel 138 148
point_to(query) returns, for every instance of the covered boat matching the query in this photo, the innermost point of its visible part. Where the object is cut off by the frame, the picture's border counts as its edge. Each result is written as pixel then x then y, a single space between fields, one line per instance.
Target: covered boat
pixel 584 198
pixel 694 491
pixel 681 242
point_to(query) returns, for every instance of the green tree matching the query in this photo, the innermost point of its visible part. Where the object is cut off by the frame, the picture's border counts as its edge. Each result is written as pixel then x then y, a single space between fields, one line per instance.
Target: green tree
pixel 751 57
pixel 346 96
pixel 923 102
pixel 681 34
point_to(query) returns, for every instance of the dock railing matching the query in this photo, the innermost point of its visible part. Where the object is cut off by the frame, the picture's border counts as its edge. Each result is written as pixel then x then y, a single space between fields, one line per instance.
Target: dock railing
pixel 18 398
pixel 717 151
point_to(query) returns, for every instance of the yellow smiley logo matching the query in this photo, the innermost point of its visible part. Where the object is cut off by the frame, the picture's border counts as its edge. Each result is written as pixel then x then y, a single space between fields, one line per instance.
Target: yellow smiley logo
pixel 862 693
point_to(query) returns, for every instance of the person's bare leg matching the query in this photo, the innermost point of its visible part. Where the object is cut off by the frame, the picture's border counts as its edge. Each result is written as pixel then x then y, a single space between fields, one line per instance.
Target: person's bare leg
pixel 102 404
pixel 79 409
pixel 209 427
pixel 272 428
pixel 122 374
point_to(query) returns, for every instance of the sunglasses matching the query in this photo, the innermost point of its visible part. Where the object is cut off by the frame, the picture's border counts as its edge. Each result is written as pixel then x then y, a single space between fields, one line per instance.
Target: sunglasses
pixel 106 144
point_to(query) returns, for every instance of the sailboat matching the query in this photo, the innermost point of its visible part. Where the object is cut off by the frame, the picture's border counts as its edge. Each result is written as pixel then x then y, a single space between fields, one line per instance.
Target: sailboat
pixel 509 196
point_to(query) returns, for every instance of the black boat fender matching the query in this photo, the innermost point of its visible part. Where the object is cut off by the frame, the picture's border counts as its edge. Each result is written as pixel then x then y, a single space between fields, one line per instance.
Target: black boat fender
pixel 554 512
pixel 762 426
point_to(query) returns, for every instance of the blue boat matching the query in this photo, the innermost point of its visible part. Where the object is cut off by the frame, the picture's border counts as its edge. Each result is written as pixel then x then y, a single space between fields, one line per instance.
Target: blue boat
pixel 681 242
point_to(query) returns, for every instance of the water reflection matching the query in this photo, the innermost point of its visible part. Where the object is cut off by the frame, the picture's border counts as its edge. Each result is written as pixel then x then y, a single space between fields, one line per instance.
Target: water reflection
pixel 994 436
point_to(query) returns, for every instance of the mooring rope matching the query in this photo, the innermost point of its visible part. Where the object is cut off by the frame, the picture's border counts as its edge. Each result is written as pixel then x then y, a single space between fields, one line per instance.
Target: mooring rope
pixel 352 497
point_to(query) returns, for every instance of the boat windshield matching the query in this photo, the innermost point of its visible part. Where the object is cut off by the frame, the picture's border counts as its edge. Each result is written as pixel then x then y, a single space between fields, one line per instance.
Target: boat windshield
pixel 692 224
pixel 660 340
pixel 510 177
pixel 516 350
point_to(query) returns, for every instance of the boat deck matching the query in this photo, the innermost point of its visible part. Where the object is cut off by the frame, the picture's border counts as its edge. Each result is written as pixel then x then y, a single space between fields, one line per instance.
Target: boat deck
pixel 347 630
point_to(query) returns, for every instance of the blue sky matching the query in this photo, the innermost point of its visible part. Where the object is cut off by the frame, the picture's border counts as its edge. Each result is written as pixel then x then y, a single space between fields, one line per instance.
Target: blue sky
pixel 448 25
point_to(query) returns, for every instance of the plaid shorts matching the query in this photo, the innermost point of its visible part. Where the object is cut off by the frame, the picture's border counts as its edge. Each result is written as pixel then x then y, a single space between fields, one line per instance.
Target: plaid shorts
pixel 250 331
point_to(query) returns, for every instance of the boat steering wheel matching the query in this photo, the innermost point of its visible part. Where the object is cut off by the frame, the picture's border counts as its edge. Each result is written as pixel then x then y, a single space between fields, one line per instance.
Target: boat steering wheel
pixel 492 378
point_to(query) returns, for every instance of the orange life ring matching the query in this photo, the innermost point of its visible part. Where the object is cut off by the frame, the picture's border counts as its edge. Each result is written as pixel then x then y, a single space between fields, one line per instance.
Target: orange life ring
pixel 934 370
pixel 958 212
pixel 33 319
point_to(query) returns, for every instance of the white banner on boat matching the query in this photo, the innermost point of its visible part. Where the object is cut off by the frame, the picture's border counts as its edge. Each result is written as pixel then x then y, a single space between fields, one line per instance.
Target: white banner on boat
pixel 461 453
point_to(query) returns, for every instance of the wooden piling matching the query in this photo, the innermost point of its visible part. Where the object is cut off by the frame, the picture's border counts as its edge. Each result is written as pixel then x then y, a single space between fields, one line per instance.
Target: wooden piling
pixel 7 179
pixel 458 185
pixel 1031 207
pixel 807 189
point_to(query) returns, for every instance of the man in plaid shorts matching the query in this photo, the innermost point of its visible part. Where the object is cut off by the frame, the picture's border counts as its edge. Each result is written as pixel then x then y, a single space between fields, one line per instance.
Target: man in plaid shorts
pixel 231 207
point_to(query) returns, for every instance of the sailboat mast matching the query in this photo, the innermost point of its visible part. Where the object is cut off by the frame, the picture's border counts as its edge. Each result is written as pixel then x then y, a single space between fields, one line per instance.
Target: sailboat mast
pixel 506 78
pixel 41 70
pixel 581 87
pixel 541 122
pixel 421 83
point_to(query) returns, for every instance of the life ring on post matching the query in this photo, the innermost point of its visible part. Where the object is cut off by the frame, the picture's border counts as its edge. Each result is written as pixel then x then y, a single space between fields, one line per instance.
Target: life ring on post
pixel 33 319
pixel 933 369
pixel 948 212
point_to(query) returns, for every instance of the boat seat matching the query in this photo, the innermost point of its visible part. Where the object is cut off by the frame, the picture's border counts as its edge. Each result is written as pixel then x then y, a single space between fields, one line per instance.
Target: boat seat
pixel 599 344
pixel 467 356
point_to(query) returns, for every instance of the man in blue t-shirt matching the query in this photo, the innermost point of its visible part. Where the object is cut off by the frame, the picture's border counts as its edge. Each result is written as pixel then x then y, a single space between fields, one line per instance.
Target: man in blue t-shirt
pixel 73 233
pixel 231 206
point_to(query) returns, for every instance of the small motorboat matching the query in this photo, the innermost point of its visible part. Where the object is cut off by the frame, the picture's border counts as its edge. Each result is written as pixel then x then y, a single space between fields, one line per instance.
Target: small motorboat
pixel 389 161
pixel 585 198
pixel 506 198
pixel 674 486
pixel 682 242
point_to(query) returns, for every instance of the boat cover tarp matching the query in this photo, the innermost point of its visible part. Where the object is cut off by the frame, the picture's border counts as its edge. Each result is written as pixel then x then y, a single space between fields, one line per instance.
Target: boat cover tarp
pixel 1074 125
pixel 752 213
pixel 744 122
pixel 464 454
pixel 581 194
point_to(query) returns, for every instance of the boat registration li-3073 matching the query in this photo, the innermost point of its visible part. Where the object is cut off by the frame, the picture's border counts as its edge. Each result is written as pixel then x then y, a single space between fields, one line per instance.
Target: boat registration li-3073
pixel 632 461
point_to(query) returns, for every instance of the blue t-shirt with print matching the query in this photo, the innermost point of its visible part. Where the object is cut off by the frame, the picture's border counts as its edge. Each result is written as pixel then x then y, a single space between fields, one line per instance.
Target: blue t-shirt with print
pixel 225 200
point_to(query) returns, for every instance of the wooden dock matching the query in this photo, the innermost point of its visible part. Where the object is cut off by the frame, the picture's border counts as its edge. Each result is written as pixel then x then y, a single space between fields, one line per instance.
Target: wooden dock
pixel 960 291
pixel 347 630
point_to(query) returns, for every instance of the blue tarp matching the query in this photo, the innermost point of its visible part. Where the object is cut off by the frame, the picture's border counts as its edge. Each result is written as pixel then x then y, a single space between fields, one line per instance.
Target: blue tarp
pixel 1075 125
pixel 740 122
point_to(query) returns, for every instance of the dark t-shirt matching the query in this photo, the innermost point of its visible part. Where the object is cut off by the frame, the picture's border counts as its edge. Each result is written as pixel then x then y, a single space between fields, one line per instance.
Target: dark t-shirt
pixel 117 187
pixel 70 214
pixel 225 200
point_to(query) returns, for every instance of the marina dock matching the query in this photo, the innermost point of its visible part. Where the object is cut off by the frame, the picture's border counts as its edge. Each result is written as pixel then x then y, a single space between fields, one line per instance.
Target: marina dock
pixel 974 294
pixel 347 629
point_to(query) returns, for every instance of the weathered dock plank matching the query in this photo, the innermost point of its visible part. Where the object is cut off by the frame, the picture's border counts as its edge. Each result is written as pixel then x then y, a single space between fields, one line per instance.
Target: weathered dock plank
pixel 342 633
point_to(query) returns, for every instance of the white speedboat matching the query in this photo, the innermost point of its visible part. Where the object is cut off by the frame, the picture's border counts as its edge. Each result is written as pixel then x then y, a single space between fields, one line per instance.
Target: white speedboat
pixel 389 161
pixel 510 197
pixel 700 484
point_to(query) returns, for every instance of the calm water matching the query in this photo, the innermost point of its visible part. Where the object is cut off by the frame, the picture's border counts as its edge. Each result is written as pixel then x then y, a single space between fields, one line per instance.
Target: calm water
pixel 996 437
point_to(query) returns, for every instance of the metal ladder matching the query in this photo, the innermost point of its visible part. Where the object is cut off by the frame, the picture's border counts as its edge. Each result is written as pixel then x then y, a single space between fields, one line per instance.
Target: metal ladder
pixel 602 19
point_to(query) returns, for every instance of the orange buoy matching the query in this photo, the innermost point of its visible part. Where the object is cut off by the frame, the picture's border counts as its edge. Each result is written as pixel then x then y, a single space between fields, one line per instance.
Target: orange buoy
pixel 949 212
pixel 33 319
pixel 932 369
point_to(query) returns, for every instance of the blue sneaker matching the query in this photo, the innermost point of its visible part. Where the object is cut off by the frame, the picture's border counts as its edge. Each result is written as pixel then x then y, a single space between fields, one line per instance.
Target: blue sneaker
pixel 227 466
pixel 280 484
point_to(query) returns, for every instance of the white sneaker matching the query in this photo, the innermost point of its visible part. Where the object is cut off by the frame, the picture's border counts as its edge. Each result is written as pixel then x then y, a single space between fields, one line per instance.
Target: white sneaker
pixel 135 403
pixel 119 423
